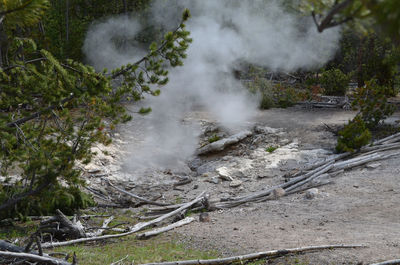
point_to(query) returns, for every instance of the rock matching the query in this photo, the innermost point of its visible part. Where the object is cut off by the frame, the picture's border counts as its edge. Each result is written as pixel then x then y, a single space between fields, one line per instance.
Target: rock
pixel 223 172
pixel 239 174
pixel 196 186
pixel 311 193
pixel 373 165
pixel 278 192
pixel 214 180
pixel 207 167
pixel 204 217
pixel 235 183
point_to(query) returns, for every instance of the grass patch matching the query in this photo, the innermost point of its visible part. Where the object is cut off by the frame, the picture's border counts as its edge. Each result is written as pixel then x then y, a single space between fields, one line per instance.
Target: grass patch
pixel 214 138
pixel 157 249
pixel 18 230
pixel 270 149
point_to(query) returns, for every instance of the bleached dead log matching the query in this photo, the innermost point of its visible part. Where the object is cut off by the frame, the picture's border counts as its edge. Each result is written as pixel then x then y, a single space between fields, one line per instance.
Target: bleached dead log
pixel 34 258
pixel 393 136
pixel 220 145
pixel 379 148
pixel 160 230
pixel 103 227
pixel 254 256
pixel 388 262
pixel 135 196
pixel 307 180
pixel 136 228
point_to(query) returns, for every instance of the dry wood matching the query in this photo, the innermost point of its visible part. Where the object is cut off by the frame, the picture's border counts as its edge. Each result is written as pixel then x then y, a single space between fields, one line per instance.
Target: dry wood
pixel 257 195
pixel 160 230
pixel 393 136
pixel 134 229
pixel 253 256
pixel 223 143
pixel 119 261
pixel 103 227
pixel 301 183
pixel 34 258
pixel 135 196
pixel 388 262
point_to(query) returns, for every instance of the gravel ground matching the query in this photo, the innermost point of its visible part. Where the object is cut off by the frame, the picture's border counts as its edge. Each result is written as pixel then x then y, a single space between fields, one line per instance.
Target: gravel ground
pixel 360 207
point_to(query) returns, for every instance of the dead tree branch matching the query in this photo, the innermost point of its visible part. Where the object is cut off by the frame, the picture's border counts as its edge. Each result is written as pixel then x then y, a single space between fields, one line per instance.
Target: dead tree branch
pixel 254 256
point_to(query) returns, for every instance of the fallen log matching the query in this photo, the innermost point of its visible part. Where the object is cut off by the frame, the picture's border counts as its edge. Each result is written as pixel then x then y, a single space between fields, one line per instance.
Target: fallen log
pixel 220 145
pixel 136 228
pixel 160 230
pixel 135 196
pixel 35 258
pixel 254 256
pixel 388 262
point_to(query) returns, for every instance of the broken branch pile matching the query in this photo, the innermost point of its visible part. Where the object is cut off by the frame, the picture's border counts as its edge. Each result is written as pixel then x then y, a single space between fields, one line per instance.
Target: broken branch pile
pixel 323 170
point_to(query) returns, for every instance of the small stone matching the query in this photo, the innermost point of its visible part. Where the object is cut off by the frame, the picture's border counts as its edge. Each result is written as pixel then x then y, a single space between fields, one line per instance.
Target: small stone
pixel 235 183
pixel 204 217
pixel 278 192
pixel 235 228
pixel 373 165
pixel 311 193
pixel 223 172
pixel 196 186
pixel 214 180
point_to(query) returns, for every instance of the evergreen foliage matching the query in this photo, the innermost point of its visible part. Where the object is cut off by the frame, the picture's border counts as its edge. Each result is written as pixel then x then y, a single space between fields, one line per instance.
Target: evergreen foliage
pixel 53 111
pixel 371 100
pixel 353 136
pixel 334 82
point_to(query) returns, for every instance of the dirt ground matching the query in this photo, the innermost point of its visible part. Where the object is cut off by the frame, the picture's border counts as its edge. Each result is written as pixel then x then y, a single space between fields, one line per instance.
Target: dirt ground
pixel 361 206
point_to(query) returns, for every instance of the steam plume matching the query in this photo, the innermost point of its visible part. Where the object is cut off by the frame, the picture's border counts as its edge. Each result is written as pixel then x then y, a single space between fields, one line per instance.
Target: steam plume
pixel 224 33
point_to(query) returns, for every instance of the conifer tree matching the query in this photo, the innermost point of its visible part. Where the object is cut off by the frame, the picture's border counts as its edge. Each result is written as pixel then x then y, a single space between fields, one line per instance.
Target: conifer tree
pixel 52 111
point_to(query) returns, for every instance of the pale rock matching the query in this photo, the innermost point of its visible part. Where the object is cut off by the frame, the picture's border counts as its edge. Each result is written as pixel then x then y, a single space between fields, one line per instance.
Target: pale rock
pixel 235 183
pixel 214 180
pixel 224 173
pixel 373 165
pixel 278 192
pixel 311 193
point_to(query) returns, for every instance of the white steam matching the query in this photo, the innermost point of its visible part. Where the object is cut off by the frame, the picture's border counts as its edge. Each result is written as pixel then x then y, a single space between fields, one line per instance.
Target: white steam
pixel 224 33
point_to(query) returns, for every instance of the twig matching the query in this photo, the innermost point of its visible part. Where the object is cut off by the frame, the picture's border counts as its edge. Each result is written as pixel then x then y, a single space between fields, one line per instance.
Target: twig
pixel 160 230
pixel 135 196
pixel 103 227
pixel 253 256
pixel 388 262
pixel 118 261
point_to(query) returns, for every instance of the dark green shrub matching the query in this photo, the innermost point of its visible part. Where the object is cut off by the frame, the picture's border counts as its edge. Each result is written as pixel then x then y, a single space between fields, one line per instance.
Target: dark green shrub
pixel 285 96
pixel 371 100
pixel 267 101
pixel 334 82
pixel 353 136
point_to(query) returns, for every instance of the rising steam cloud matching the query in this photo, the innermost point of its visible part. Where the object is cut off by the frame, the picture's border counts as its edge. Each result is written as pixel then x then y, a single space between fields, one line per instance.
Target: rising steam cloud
pixel 224 32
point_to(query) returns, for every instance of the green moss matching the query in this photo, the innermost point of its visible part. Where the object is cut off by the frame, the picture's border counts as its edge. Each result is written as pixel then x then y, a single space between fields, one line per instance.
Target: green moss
pixel 214 138
pixel 270 149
